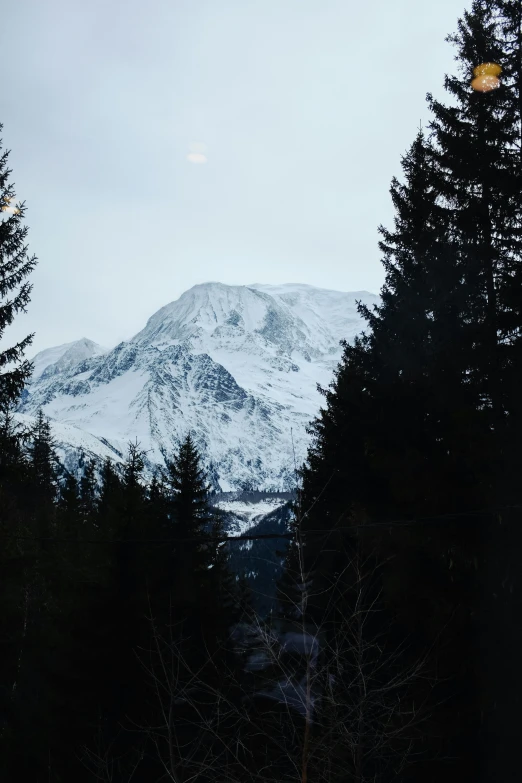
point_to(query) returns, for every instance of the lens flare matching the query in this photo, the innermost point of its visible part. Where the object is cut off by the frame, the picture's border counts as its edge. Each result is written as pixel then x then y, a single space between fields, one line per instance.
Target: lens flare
pixel 485 83
pixel 486 77
pixel 487 69
pixel 196 157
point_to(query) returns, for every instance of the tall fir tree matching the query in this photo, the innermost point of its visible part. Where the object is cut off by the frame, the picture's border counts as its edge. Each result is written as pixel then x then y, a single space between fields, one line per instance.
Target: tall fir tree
pixel 201 559
pixel 416 416
pixel 192 610
pixel 109 499
pixel 13 459
pixel 41 597
pixel 156 506
pixel 15 265
pixel 16 557
pixel 477 150
pixel 88 490
pixel 191 520
pixel 432 463
pixel 23 594
pixel 122 503
pixel 69 506
pixel 44 477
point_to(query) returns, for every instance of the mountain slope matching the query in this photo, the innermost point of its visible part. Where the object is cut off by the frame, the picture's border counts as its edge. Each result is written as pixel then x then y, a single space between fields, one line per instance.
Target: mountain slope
pixel 236 365
pixel 260 561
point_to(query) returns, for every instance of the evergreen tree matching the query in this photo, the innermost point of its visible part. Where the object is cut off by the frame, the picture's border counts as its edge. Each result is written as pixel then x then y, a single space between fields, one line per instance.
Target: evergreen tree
pixel 156 506
pixel 408 417
pixel 187 485
pixel 478 155
pixel 156 526
pixel 415 422
pixel 420 345
pixel 23 585
pixel 134 494
pixel 108 502
pixel 191 520
pixel 122 503
pixel 192 611
pixel 44 486
pixel 39 593
pixel 88 490
pixel 201 560
pixel 69 505
pixel 14 267
pixel 509 15
pixel 13 462
pixel 15 559
pixel 477 151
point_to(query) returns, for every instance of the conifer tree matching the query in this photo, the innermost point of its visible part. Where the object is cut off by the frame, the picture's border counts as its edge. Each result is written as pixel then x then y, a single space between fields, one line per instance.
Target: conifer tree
pixel 477 150
pixel 132 479
pixel 156 505
pixel 420 345
pixel 484 180
pixel 72 660
pixel 13 462
pixel 44 486
pixel 201 561
pixel 408 426
pixel 69 505
pixel 509 13
pixel 156 526
pixel 189 658
pixel 15 265
pixel 191 521
pixel 415 422
pixel 108 502
pixel 22 598
pixel 88 491
pixel 15 559
pixel 41 600
pixel 111 615
pixel 189 490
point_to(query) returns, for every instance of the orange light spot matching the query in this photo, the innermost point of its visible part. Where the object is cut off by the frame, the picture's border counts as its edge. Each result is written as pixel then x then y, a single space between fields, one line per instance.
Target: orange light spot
pixel 485 83
pixel 487 69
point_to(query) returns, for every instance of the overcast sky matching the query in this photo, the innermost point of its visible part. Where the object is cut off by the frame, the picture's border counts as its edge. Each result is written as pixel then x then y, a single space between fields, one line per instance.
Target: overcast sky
pixel 305 108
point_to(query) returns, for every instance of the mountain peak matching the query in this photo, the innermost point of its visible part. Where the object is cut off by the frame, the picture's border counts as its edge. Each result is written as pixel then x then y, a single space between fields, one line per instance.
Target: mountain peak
pixel 207 310
pixel 236 364
pixel 61 356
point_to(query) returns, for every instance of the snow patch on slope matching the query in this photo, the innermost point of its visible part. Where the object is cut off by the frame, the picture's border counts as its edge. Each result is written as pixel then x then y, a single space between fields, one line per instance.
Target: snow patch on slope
pixel 246 515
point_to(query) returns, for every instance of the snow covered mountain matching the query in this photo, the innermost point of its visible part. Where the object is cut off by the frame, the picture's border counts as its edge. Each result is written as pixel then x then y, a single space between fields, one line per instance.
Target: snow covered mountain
pixel 235 365
pixel 58 359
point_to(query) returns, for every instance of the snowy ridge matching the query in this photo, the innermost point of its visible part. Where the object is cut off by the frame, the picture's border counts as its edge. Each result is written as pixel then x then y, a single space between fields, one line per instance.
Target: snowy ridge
pixel 238 366
pixel 245 515
pixel 58 359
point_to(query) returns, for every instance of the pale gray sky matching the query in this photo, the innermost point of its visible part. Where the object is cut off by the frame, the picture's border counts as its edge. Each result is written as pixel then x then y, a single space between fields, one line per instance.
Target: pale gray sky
pixel 305 108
